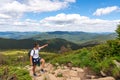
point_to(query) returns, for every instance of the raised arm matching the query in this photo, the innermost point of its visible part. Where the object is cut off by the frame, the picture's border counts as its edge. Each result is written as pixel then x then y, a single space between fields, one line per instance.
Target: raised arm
pixel 43 46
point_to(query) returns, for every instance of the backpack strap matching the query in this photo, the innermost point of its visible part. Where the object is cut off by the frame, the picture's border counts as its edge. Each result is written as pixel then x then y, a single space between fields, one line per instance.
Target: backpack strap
pixel 33 52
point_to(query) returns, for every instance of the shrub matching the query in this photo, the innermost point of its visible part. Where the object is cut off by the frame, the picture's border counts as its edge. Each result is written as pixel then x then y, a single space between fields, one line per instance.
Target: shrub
pixel 20 73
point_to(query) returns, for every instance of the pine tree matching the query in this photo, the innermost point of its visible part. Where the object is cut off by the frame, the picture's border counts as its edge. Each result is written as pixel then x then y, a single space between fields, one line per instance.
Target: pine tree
pixel 118 32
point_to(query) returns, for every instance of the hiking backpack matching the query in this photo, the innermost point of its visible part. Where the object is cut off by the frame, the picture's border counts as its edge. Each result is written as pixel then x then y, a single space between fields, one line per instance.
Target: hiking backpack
pixel 30 52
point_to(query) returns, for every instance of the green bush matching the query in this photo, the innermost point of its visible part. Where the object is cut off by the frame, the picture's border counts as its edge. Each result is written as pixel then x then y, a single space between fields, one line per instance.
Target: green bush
pixel 97 58
pixel 116 72
pixel 20 73
pixel 118 31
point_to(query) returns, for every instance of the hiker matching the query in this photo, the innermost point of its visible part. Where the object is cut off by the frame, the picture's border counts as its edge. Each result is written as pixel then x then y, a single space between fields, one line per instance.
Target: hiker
pixel 35 59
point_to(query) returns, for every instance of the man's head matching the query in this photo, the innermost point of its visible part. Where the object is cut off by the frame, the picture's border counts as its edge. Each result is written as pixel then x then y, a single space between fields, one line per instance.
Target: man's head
pixel 36 45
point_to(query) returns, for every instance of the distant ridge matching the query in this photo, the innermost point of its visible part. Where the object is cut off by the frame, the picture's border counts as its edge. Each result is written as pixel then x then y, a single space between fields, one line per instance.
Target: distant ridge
pixel 54 44
pixel 75 37
pixel 64 32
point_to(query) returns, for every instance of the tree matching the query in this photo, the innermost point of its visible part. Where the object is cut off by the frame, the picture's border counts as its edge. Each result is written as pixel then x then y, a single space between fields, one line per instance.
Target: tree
pixel 118 31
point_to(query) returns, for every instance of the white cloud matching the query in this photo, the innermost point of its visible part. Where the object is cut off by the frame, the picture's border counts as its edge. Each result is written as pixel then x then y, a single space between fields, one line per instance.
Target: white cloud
pixel 45 5
pixel 75 22
pixel 70 0
pixel 14 6
pixel 4 16
pixel 16 9
pixel 107 10
pixel 12 10
pixel 62 22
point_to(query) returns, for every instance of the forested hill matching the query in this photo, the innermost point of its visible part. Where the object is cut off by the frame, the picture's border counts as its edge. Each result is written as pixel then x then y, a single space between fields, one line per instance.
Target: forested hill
pixel 54 44
pixel 75 37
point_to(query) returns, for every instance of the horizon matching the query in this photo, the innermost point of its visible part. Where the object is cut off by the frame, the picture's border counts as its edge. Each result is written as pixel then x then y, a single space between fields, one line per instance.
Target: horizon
pixel 95 16
pixel 51 32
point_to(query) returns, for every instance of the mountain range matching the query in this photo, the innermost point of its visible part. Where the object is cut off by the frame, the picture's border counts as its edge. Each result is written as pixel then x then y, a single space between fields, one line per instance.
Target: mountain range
pixel 75 37
pixel 56 40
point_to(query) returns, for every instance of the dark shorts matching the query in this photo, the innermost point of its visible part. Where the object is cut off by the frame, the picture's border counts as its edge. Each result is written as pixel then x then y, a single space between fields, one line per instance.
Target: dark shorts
pixel 36 61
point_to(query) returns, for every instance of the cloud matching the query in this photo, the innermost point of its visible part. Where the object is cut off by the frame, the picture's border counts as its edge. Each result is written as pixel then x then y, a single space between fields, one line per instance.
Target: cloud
pixel 104 11
pixel 11 12
pixel 4 16
pixel 61 22
pixel 75 22
pixel 15 6
pixel 70 0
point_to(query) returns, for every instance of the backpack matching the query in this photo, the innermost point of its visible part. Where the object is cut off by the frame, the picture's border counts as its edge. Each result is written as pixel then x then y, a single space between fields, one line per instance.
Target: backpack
pixel 30 52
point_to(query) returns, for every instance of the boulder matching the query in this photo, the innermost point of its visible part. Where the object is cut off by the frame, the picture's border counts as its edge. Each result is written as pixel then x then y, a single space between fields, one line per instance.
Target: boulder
pixel 105 78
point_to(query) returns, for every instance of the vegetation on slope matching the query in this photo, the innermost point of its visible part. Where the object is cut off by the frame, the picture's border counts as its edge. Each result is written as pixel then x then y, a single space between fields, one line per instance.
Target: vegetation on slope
pixel 12 63
pixel 98 58
pixel 75 37
pixel 13 73
pixel 54 44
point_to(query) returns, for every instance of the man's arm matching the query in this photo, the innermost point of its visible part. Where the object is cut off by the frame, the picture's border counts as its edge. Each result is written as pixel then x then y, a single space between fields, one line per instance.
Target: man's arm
pixel 43 46
pixel 31 56
pixel 31 63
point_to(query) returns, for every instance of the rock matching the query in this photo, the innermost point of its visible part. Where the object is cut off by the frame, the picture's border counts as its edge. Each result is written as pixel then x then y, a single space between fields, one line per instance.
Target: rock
pixel 49 67
pixel 81 75
pixel 56 64
pixel 116 63
pixel 77 69
pixel 52 77
pixel 46 77
pixel 69 65
pixel 59 74
pixel 73 73
pixel 52 72
pixel 90 77
pixel 105 78
pixel 66 73
pixel 103 74
pixel 59 67
pixel 65 67
pixel 93 77
pixel 73 78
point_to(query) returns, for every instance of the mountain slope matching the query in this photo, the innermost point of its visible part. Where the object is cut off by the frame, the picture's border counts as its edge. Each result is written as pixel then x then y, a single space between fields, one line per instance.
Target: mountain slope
pixel 18 35
pixel 54 44
pixel 75 37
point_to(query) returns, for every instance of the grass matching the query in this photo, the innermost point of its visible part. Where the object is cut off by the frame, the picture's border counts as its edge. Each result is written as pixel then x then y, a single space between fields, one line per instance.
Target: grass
pixel 86 57
pixel 92 58
pixel 20 73
pixel 16 60
pixel 11 59
pixel 14 52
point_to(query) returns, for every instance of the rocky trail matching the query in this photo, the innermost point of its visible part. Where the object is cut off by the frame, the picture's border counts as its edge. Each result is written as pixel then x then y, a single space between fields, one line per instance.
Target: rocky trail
pixel 64 73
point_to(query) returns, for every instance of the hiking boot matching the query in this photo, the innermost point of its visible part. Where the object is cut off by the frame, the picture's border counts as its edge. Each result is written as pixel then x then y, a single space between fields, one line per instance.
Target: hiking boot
pixel 34 74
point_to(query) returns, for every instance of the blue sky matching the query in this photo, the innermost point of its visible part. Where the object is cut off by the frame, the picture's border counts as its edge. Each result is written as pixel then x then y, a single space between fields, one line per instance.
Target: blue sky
pixel 82 7
pixel 59 15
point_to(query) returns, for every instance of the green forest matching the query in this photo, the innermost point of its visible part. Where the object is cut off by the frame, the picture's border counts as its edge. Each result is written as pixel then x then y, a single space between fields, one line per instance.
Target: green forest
pixel 103 57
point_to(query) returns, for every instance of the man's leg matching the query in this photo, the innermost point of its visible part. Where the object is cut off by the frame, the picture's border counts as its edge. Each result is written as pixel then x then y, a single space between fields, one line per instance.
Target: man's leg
pixel 34 66
pixel 43 63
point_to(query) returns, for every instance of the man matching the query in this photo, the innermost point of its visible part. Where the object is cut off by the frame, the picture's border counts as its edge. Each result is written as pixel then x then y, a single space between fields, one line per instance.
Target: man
pixel 35 58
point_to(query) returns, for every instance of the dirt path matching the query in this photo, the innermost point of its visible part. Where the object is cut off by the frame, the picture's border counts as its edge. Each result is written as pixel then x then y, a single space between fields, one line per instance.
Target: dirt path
pixel 63 73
